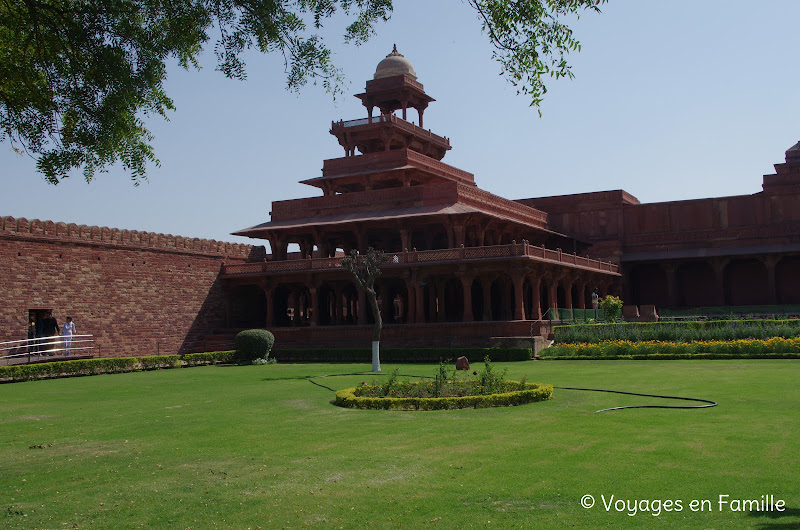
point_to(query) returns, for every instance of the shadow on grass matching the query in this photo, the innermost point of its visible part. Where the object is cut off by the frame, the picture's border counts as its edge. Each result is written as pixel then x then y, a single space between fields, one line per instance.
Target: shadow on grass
pixel 779 521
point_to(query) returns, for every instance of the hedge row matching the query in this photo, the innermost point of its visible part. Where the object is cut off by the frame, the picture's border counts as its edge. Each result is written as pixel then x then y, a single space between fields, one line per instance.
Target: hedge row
pixel 214 357
pixel 533 392
pixel 401 355
pixel 750 348
pixel 675 357
pixel 686 331
pixel 110 365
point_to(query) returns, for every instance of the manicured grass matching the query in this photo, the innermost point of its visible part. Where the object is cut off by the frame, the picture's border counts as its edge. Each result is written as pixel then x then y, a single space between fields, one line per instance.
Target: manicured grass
pixel 243 447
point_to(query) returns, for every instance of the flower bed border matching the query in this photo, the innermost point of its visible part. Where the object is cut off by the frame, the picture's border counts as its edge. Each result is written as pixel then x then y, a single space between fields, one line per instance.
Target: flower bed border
pixel 532 392
pixel 776 348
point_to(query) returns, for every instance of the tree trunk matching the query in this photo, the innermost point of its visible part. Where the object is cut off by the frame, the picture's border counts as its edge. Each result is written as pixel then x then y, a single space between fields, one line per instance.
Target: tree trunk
pixel 376 356
pixel 376 329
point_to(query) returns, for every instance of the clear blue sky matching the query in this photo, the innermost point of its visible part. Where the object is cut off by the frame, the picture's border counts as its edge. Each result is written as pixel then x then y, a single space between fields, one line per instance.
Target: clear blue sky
pixel 671 100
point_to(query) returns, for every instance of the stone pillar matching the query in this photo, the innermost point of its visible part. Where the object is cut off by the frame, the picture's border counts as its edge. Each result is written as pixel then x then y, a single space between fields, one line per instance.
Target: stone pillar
pixel 582 295
pixel 519 302
pixel 719 281
pixel 451 243
pixel 772 290
pixel 553 296
pixel 278 245
pixel 481 233
pixel 411 310
pixel 459 232
pixel 568 298
pixel 405 240
pixel 419 295
pixel 466 284
pixel 268 293
pixel 314 306
pixel 536 310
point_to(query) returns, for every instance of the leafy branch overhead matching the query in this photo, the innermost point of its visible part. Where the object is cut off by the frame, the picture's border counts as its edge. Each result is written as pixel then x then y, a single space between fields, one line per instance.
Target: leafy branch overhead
pixel 78 78
pixel 531 40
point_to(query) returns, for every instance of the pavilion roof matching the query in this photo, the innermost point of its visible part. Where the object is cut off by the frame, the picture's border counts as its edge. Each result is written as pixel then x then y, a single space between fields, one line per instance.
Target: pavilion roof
pixel 348 217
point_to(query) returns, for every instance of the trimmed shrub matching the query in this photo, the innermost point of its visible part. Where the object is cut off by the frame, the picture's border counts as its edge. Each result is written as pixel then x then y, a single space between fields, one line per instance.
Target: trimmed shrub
pixel 522 393
pixel 156 362
pixel 401 355
pixel 28 372
pixel 214 357
pixel 253 344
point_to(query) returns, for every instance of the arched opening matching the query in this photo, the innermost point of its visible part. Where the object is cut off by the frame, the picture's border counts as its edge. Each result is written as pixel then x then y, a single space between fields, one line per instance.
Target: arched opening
pixel 649 285
pixel 478 303
pixel 746 283
pixel 394 294
pixel 454 300
pixel 281 305
pixel 327 305
pixel 696 284
pixel 348 301
pixel 544 298
pixel 439 238
pixel 248 307
pixel 502 292
pixel 787 280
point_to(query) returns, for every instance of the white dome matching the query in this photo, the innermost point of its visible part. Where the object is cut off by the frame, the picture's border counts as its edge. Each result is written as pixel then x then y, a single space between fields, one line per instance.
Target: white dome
pixel 395 64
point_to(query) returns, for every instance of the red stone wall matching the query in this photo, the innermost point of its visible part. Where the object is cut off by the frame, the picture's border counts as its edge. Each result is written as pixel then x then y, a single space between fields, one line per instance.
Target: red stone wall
pixel 138 293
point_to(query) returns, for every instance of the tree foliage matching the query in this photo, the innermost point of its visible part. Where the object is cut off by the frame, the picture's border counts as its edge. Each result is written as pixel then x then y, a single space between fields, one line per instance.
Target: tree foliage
pixel 531 40
pixel 78 78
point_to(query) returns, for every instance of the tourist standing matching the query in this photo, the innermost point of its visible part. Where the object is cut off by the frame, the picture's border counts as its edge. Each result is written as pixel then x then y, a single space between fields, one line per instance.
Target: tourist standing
pixel 49 330
pixel 67 331
pixel 595 302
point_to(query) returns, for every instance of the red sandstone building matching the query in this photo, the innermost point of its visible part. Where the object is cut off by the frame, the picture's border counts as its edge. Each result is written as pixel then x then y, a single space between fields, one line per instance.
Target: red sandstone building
pixel 466 267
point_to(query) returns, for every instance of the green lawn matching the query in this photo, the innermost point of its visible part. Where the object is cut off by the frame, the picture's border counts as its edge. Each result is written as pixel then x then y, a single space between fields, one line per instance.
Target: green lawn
pixel 260 446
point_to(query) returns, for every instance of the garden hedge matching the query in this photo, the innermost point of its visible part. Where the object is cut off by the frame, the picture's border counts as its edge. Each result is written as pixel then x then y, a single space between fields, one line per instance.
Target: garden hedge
pixel 684 331
pixel 532 392
pixel 776 347
pixel 402 355
pixel 79 367
pixel 214 357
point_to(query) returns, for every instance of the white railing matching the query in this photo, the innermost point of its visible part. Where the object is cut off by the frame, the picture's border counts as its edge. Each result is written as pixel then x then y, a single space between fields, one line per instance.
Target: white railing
pixel 35 349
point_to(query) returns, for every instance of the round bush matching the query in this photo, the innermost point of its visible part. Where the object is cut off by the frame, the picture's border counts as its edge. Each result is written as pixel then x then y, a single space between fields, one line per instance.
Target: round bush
pixel 253 344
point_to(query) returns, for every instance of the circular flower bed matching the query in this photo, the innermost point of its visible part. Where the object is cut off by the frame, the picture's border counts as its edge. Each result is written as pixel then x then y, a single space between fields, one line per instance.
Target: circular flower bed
pixel 441 395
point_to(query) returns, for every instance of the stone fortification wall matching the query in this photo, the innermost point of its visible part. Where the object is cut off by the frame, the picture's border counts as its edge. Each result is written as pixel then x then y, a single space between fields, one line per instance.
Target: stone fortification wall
pixel 138 293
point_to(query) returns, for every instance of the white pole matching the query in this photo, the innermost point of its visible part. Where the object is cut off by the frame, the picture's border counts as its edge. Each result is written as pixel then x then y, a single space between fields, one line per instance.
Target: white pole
pixel 376 357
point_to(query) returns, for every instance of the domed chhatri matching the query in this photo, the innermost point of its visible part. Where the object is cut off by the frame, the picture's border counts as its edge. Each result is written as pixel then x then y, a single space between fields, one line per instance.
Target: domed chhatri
pixel 395 64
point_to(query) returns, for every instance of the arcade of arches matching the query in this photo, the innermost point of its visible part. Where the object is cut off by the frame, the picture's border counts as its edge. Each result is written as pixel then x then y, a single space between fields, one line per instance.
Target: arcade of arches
pixel 414 296
pixel 728 281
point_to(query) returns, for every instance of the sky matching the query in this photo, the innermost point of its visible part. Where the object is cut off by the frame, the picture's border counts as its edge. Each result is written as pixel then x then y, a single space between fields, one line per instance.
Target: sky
pixel 670 101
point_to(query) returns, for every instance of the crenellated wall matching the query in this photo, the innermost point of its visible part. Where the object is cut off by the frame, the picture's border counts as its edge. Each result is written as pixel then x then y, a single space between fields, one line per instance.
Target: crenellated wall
pixel 138 293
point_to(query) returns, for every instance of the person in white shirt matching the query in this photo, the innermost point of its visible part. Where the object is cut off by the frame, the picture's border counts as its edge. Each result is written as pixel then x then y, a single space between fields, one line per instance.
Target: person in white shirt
pixel 67 331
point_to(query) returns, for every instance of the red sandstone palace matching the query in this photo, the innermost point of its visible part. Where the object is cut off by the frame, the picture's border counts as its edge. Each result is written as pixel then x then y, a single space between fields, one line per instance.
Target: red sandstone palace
pixel 466 267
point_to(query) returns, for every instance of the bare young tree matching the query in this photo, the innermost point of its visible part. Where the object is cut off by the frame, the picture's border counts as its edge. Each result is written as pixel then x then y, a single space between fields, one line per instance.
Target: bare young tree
pixel 365 269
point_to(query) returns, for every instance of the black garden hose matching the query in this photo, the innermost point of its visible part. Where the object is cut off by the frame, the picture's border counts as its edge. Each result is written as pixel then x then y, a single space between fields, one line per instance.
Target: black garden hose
pixel 708 402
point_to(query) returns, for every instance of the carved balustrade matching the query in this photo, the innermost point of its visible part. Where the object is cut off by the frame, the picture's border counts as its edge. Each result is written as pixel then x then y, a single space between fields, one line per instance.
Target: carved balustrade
pixel 523 249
